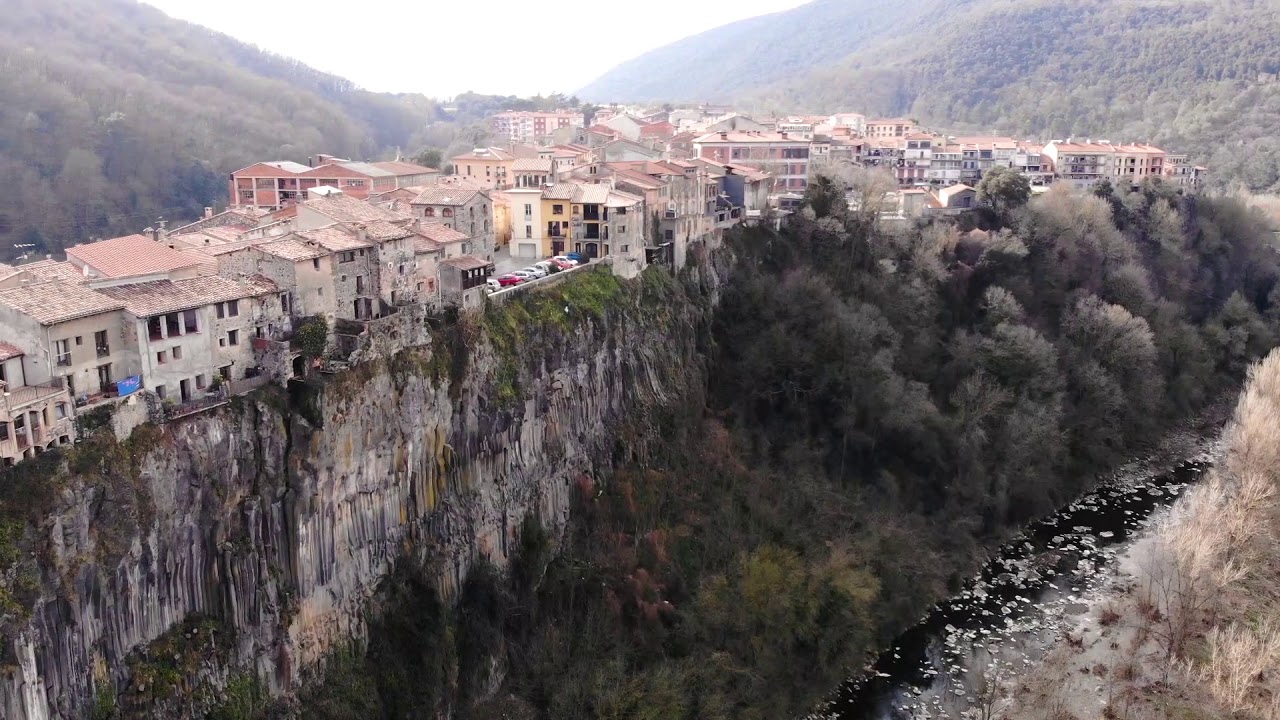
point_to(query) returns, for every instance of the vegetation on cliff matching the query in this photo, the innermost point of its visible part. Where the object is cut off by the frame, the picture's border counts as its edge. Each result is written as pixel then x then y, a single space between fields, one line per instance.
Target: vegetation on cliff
pixel 881 406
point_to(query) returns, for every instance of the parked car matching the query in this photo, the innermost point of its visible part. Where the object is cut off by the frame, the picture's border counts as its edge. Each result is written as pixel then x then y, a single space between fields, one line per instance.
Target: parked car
pixel 492 285
pixel 547 266
pixel 524 275
pixel 578 257
pixel 536 272
pixel 565 264
pixel 508 280
pixel 566 259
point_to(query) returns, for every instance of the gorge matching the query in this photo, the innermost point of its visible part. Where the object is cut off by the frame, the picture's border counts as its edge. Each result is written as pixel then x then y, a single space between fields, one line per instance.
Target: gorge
pixel 706 494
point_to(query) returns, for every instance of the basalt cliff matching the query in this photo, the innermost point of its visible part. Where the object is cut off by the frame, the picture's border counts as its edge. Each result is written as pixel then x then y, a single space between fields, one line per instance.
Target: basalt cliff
pixel 144 573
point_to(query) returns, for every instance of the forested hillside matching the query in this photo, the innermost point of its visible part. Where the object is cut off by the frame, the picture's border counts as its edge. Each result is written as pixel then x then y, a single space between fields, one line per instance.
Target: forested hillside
pixel 727 63
pixel 112 113
pixel 882 408
pixel 1188 74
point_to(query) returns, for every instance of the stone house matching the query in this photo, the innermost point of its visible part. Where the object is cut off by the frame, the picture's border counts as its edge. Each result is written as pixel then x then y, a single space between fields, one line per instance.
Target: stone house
pixel 33 418
pixel 186 331
pixel 465 209
pixel 68 333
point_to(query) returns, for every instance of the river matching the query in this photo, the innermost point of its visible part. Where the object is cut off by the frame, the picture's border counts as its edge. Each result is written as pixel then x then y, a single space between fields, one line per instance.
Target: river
pixel 1011 614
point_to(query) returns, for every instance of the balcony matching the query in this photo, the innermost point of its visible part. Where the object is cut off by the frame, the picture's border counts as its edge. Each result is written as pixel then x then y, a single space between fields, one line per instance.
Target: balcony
pixel 103 351
pixel 670 215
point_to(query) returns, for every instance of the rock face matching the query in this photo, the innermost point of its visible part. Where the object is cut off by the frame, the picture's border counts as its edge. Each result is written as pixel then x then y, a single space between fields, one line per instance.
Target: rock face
pixel 279 523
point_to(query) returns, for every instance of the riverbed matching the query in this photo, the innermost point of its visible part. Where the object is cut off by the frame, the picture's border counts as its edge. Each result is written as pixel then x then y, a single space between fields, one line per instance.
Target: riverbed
pixel 1014 611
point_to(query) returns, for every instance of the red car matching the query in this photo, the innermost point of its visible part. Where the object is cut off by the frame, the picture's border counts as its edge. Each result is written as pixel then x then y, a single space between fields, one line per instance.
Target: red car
pixel 509 280
pixel 562 264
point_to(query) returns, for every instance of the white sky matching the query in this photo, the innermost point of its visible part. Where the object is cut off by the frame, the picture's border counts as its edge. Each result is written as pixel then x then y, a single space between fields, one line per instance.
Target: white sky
pixel 445 47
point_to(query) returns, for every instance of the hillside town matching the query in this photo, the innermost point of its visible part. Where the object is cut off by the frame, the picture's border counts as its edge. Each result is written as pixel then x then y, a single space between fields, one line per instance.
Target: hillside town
pixel 192 315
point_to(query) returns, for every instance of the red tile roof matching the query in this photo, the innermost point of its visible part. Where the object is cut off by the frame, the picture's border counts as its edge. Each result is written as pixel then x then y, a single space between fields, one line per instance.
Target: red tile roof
pixel 130 256
pixel 53 302
pixel 8 351
pixel 166 296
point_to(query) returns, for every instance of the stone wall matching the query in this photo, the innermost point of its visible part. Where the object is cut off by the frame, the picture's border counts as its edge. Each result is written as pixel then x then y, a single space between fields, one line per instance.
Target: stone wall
pixel 278 521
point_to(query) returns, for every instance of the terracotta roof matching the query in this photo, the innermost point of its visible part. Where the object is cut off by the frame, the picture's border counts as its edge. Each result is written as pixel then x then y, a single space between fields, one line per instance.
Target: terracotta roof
pixel 400 168
pixel 617 199
pixel 531 165
pixel 289 249
pixel 131 255
pixel 445 196
pixel 423 244
pixel 595 194
pixel 490 153
pixel 54 302
pixel 438 233
pixel 334 238
pixel 383 230
pixel 8 351
pixel 467 262
pixel 45 270
pixel 166 296
pixel 561 191
pixel 345 208
pixel 746 137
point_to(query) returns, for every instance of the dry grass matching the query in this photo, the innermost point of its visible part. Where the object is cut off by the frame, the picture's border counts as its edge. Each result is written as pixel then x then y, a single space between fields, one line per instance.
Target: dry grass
pixel 1198 637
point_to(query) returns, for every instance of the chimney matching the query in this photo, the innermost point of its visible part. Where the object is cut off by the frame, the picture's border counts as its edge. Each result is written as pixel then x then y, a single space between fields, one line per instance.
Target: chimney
pixel 783 134
pixel 155 234
pixel 309 160
pixel 724 135
pixel 208 213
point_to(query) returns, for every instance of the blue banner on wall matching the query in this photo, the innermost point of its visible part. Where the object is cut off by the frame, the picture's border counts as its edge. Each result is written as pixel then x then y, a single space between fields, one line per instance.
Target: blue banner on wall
pixel 129 385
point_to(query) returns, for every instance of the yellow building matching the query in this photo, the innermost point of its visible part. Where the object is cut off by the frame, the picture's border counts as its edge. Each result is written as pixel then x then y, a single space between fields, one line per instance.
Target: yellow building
pixel 557 216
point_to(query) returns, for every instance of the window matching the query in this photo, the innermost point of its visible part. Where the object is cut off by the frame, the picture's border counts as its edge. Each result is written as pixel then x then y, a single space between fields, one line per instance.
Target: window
pixel 162 357
pixel 622 229
pixel 233 308
pixel 221 310
pixel 189 322
pixel 160 391
pixel 100 343
pixel 233 337
pixel 528 210
pixel 60 411
pixel 429 212
pixel 528 231
pixel 355 183
pixel 79 341
pixel 315 263
pixel 200 382
pixel 624 248
pixel 177 352
pixel 346 257
pixel 557 209
pixel 62 348
pixel 401 268
pixel 284 302
pixel 225 372
pixel 447 212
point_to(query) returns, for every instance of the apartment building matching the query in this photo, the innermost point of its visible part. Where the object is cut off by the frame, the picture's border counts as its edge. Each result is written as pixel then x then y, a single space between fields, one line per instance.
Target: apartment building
pixel 783 156
pixel 1133 163
pixel 528 127
pixel 889 127
pixel 279 184
pixel 527 237
pixel 917 160
pixel 1179 171
pixel 1081 164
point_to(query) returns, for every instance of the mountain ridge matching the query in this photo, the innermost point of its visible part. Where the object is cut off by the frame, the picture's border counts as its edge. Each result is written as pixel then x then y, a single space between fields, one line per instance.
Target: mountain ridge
pixel 119 113
pixel 1189 74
